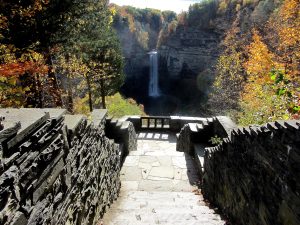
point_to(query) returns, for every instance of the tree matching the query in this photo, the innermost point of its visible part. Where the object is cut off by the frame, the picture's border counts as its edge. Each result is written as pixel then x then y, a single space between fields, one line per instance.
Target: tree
pixel 87 35
pixel 230 75
pixel 264 97
pixel 23 54
pixel 200 14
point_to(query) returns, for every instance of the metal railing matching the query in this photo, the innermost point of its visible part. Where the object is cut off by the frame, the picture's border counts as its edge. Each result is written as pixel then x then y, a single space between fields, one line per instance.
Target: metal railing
pixel 155 122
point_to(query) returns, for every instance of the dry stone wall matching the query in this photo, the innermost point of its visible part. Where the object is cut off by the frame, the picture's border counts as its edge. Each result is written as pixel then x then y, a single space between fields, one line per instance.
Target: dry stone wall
pixel 123 132
pixel 254 175
pixel 56 168
pixel 184 142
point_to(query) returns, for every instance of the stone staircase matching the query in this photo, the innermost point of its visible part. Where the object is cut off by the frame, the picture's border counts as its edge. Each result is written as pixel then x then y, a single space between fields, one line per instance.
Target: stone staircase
pixel 159 186
pixel 169 208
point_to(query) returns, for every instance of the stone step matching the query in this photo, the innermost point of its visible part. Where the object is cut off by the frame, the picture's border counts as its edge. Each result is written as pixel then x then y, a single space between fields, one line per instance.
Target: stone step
pixel 141 207
pixel 128 222
pixel 168 196
pixel 160 187
pixel 167 210
pixel 169 216
pixel 162 196
pixel 159 195
pixel 160 204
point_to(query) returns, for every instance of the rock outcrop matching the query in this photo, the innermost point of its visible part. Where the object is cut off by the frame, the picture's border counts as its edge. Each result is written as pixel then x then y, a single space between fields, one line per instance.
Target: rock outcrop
pixel 190 51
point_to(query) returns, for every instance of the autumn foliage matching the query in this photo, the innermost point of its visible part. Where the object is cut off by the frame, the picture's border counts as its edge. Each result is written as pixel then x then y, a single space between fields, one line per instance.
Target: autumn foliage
pixel 21 64
pixel 268 69
pixel 18 69
pixel 272 88
pixel 45 44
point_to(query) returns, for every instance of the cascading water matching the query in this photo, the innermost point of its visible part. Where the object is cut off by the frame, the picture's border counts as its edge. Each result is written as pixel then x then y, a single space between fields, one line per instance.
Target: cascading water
pixel 153 84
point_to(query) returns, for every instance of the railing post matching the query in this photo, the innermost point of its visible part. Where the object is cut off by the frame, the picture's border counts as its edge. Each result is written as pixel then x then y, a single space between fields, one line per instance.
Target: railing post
pixel 155 122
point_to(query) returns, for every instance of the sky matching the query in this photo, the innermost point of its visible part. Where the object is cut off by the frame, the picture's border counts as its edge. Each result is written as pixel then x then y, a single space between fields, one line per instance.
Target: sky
pixel 174 5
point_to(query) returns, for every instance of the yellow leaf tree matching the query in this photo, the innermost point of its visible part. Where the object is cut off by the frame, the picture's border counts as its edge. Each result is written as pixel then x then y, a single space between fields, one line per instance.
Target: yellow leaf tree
pixel 258 101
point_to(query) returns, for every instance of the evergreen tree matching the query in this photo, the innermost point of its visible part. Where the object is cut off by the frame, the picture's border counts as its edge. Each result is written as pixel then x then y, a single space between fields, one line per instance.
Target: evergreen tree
pixel 86 34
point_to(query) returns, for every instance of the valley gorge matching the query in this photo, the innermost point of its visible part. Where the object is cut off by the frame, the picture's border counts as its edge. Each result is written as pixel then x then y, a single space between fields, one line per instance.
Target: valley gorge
pixel 187 57
pixel 238 58
pixel 190 48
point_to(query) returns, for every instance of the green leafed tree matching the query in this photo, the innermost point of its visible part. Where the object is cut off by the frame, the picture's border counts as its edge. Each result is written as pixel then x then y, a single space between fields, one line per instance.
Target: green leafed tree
pixel 85 33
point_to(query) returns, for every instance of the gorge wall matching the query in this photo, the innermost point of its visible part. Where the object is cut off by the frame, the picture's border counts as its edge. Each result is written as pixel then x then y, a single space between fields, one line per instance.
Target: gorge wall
pixel 56 168
pixel 138 32
pixel 190 45
pixel 187 60
pixel 187 56
pixel 190 51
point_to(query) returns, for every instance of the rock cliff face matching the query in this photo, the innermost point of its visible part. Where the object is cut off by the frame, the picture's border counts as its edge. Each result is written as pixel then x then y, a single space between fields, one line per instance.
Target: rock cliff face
pixel 136 44
pixel 189 52
pixel 135 52
pixel 186 59
pixel 136 58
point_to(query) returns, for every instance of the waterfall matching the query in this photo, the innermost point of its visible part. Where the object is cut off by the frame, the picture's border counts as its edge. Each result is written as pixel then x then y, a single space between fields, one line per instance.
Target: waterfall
pixel 153 84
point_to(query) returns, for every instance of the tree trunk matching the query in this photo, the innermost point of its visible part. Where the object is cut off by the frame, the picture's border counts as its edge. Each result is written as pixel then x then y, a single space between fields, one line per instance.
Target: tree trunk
pixel 70 96
pixel 39 91
pixel 89 92
pixel 102 90
pixel 53 86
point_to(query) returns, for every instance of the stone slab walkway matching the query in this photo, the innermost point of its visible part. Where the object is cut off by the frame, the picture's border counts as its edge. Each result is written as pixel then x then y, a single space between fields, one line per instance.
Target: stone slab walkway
pixel 159 186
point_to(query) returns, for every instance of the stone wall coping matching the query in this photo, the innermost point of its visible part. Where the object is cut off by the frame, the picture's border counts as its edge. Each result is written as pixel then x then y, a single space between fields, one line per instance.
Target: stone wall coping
pixel 30 120
pixel 125 125
pixel 54 113
pixel 134 117
pixel 271 126
pixel 98 115
pixel 226 123
pixel 188 118
pixel 171 117
pixel 27 116
pixel 73 121
pixel 124 118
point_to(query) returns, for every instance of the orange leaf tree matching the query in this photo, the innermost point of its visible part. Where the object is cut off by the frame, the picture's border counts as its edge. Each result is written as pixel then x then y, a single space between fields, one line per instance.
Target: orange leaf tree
pixel 266 95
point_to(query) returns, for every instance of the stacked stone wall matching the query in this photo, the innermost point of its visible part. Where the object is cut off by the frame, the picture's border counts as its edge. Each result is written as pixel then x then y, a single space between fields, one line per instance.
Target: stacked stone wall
pixel 254 175
pixel 56 168
pixel 184 142
pixel 123 132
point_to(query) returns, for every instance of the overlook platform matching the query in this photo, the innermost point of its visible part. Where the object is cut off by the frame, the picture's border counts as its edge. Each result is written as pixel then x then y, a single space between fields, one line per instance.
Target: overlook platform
pixel 160 186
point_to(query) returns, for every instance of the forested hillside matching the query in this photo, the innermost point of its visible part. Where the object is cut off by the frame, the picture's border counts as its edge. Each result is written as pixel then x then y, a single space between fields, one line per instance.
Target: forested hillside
pixel 230 57
pixel 257 74
pixel 58 54
pixel 233 57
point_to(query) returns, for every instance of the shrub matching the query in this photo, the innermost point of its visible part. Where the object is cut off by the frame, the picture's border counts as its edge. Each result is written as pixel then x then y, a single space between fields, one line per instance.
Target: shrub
pixel 118 106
